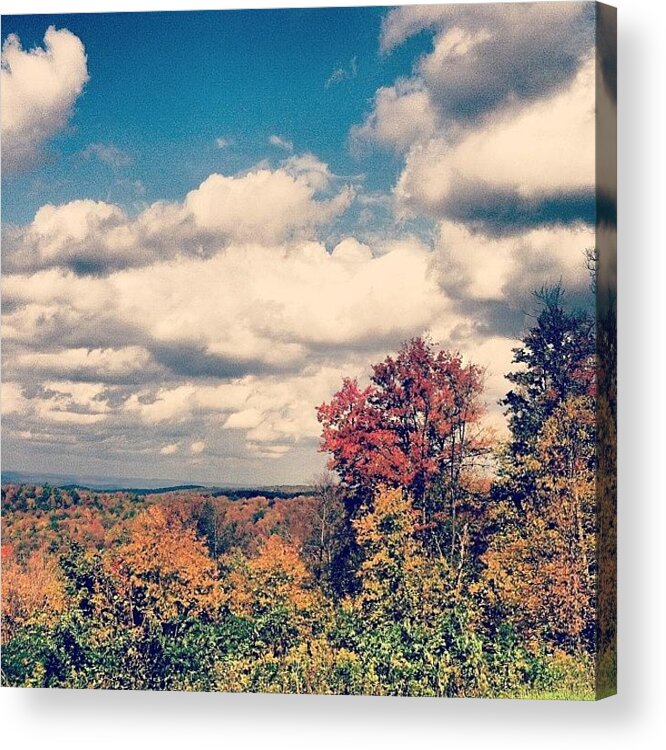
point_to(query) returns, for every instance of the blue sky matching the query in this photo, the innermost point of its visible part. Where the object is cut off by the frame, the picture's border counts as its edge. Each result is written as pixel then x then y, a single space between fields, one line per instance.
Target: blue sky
pixel 210 219
pixel 164 86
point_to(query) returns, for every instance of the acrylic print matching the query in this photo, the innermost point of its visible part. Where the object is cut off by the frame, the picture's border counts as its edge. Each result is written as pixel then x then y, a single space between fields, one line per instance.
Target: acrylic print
pixel 308 351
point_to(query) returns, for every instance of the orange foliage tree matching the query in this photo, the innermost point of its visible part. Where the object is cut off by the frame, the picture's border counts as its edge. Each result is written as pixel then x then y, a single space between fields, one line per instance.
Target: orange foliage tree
pixel 540 567
pixel 164 570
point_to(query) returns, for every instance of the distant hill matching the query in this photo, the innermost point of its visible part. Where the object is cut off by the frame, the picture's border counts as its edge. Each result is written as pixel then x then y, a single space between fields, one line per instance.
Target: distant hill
pixel 143 486
pixel 92 482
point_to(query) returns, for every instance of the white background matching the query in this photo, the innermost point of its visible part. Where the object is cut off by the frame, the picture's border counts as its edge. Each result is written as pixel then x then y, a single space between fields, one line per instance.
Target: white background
pixel 42 718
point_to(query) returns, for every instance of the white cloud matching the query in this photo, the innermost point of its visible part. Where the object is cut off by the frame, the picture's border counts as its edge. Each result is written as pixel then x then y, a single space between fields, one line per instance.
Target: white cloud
pixel 249 303
pixel 496 122
pixel 489 56
pixel 73 234
pixel 545 148
pixel 402 114
pixel 453 43
pixel 510 268
pixel 259 450
pixel 168 405
pixel 12 398
pixel 57 402
pixel 291 321
pixel 401 23
pixel 262 205
pixel 310 170
pixel 39 89
pixel 197 447
pixel 102 363
pixel 223 142
pixel 272 413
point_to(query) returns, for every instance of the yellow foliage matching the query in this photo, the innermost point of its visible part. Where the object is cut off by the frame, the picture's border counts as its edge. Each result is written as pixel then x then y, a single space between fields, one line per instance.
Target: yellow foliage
pixel 399 581
pixel 33 594
pixel 276 589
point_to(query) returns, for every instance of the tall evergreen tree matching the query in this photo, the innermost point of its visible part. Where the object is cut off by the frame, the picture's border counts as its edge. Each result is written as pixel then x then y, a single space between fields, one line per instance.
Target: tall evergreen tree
pixel 558 361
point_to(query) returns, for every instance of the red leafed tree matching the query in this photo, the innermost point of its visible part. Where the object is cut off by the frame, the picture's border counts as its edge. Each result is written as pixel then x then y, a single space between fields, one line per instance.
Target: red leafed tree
pixel 416 426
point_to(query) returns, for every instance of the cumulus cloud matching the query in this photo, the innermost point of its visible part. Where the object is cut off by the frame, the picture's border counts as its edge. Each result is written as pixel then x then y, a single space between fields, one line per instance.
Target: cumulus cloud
pixel 84 235
pixel 238 347
pixel 255 308
pixel 497 122
pixel 56 402
pixel 39 89
pixel 402 114
pixel 124 364
pixel 529 166
pixel 508 269
pixel 401 23
pixel 261 206
pixel 270 414
pixel 488 55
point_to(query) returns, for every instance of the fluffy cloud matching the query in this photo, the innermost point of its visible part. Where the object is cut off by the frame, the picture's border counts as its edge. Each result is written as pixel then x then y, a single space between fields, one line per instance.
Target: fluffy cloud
pixel 488 55
pixel 269 413
pixel 84 235
pixel 251 307
pixel 402 114
pixel 56 402
pixel 39 89
pixel 261 206
pixel 521 161
pixel 508 269
pixel 496 123
pixel 124 364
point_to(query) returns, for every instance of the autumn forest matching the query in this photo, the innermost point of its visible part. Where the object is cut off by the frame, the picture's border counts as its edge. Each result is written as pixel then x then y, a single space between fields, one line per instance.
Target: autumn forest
pixel 434 558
